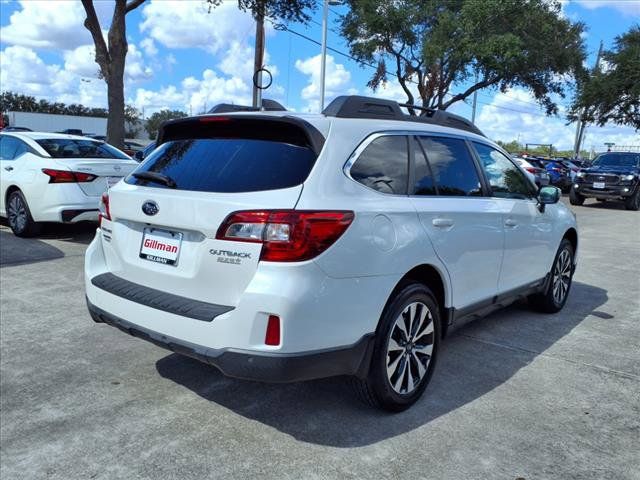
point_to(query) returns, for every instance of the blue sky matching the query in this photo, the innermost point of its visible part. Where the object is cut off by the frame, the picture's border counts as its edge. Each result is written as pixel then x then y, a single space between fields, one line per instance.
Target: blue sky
pixel 182 57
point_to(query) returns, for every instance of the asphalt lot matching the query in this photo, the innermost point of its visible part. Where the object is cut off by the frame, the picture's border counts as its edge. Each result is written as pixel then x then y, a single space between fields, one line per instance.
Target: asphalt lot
pixel 518 395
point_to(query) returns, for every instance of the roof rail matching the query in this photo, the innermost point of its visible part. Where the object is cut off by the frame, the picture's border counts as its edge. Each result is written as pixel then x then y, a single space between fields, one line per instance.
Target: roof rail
pixel 355 106
pixel 267 105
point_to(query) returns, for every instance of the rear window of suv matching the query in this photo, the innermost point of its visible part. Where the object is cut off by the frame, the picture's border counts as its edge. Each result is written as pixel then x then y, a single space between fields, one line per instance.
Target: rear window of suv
pixel 228 165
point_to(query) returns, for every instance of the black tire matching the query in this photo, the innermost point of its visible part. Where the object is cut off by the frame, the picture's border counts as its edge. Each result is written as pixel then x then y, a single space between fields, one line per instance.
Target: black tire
pixel 413 365
pixel 19 216
pixel 633 202
pixel 575 198
pixel 561 271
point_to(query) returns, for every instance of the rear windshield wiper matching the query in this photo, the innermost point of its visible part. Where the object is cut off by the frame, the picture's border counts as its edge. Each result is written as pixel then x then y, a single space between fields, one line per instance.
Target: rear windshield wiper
pixel 156 177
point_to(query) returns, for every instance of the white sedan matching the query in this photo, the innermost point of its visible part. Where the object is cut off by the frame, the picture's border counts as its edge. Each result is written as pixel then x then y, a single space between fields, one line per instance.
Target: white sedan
pixel 49 177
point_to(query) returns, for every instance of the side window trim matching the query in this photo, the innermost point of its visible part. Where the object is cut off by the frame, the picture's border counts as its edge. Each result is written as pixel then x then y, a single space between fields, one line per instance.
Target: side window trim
pixel 355 155
pixel 484 180
pixel 415 143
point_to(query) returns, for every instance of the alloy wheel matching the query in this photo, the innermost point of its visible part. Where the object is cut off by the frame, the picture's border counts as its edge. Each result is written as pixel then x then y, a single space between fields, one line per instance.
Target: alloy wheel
pixel 410 348
pixel 17 213
pixel 562 276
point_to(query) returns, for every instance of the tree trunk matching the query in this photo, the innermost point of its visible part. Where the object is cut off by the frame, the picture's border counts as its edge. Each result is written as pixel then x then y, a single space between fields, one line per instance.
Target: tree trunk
pixel 111 60
pixel 115 120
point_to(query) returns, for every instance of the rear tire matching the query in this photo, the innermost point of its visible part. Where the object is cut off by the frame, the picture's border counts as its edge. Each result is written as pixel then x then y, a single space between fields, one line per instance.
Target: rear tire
pixel 554 298
pixel 19 216
pixel 575 198
pixel 405 350
pixel 633 202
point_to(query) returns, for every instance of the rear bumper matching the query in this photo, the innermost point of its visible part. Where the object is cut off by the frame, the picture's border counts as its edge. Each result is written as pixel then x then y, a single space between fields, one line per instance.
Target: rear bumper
pixel 260 366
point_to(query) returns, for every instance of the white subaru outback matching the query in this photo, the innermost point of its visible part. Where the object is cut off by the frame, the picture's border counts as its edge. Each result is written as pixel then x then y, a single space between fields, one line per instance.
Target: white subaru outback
pixel 283 247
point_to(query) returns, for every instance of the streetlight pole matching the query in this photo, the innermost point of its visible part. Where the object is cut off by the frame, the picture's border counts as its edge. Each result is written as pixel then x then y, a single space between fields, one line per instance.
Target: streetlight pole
pixel 323 56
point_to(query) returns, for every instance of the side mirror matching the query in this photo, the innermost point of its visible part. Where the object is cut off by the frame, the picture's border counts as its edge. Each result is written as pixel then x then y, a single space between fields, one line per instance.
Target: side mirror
pixel 547 196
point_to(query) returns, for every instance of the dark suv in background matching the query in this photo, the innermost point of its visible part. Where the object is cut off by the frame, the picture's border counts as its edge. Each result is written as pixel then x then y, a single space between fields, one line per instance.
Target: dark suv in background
pixel 611 176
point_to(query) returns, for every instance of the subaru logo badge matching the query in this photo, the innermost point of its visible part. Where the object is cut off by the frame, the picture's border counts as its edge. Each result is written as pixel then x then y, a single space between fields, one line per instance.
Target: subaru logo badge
pixel 117 168
pixel 150 207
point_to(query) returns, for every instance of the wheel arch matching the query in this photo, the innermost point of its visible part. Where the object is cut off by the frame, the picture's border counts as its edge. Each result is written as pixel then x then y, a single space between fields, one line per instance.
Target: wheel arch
pixel 9 191
pixel 572 235
pixel 432 277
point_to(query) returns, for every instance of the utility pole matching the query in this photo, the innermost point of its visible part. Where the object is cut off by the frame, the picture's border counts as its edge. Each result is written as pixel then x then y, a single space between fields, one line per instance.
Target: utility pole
pixel 581 124
pixel 323 55
pixel 258 59
pixel 475 102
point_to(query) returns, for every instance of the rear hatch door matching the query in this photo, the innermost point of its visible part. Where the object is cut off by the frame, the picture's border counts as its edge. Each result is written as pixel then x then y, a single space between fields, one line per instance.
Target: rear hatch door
pixel 164 236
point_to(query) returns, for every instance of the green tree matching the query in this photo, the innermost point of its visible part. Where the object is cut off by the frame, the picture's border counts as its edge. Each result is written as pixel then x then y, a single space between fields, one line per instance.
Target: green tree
pixel 111 61
pixel 612 94
pixel 286 10
pixel 153 123
pixel 437 44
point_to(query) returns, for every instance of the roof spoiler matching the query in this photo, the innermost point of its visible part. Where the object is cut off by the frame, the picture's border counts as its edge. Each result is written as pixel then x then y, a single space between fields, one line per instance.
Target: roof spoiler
pixel 355 106
pixel 267 105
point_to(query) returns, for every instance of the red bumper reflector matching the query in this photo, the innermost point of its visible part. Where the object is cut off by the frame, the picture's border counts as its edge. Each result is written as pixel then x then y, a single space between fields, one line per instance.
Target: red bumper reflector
pixel 272 337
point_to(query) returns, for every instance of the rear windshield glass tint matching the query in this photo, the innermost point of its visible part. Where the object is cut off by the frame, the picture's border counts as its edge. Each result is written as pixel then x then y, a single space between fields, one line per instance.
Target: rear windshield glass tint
pixel 228 165
pixel 72 148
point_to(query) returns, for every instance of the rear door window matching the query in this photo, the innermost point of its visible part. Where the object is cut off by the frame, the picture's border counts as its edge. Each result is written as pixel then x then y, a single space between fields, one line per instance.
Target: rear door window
pixel 384 165
pixel 454 171
pixel 9 147
pixel 228 165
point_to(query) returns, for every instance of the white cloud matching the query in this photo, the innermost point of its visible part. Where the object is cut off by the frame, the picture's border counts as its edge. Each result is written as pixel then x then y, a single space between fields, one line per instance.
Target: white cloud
pixel 627 7
pixel 195 94
pixel 337 81
pixel 149 47
pixel 22 70
pixel 179 24
pixel 52 24
pixel 509 116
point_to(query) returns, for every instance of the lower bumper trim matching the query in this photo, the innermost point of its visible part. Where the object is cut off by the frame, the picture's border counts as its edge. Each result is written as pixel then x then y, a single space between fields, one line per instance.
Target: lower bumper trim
pixel 260 366
pixel 69 215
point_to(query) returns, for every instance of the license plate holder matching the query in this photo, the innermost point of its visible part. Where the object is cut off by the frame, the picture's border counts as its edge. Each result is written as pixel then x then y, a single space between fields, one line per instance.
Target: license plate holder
pixel 161 246
pixel 599 185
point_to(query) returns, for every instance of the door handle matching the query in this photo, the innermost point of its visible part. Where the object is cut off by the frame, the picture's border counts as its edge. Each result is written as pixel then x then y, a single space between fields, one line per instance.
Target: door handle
pixel 509 222
pixel 8 169
pixel 442 222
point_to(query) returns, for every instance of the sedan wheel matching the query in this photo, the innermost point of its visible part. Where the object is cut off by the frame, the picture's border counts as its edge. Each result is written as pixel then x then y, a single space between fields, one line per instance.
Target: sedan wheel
pixel 19 217
pixel 17 213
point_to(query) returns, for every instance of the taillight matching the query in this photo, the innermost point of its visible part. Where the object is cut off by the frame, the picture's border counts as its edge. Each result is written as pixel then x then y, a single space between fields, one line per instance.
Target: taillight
pixel 104 211
pixel 67 176
pixel 286 235
pixel 530 169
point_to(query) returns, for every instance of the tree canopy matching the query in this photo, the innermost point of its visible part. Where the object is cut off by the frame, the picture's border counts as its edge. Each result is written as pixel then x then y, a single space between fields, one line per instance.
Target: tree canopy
pixel 153 123
pixel 430 46
pixel 17 102
pixel 285 10
pixel 612 93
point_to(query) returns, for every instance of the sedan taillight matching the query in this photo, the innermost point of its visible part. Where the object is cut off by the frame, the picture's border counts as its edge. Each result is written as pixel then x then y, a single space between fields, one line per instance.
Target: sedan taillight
pixel 67 176
pixel 286 235
pixel 104 212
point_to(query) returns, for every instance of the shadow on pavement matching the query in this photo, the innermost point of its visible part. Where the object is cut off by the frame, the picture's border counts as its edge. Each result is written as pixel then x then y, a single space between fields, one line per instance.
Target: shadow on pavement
pixel 326 412
pixel 18 251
